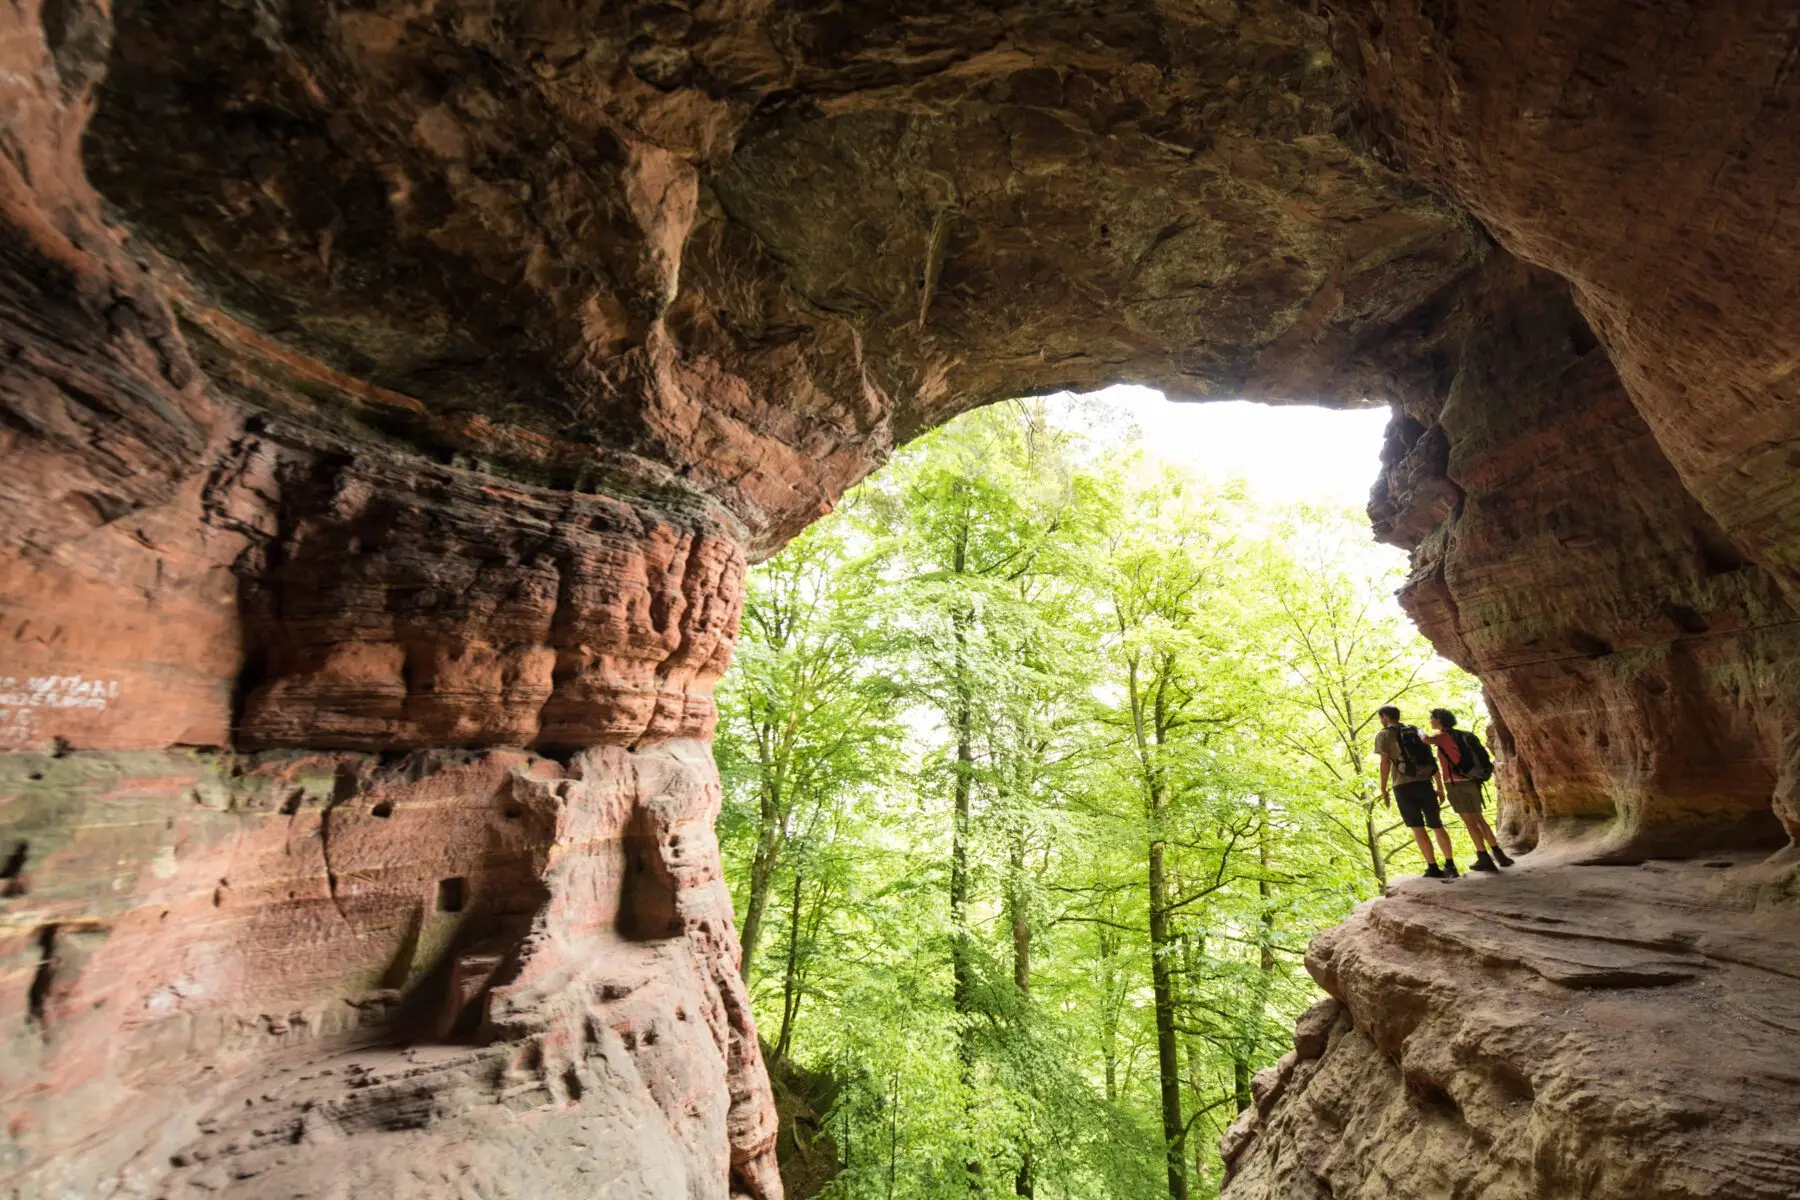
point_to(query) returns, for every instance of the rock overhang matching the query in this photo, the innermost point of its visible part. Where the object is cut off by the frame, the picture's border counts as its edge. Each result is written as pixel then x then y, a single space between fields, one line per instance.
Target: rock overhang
pixel 752 249
pixel 429 374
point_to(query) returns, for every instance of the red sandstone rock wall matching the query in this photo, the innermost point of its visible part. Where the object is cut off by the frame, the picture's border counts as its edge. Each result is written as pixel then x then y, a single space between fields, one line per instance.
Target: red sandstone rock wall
pixel 1609 539
pixel 1635 659
pixel 179 918
pixel 205 950
pixel 381 457
pixel 1644 153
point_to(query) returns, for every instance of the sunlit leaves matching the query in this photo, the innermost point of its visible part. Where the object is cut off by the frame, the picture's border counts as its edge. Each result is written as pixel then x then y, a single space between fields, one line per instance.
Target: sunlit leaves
pixel 1142 656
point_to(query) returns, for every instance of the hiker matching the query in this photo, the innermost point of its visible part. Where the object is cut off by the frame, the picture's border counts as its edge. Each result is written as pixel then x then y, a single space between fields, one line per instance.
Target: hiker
pixel 1466 766
pixel 1405 756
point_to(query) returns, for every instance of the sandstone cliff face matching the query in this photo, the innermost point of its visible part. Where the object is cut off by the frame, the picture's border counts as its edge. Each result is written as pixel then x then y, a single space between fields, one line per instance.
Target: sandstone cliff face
pixel 391 400
pixel 1636 662
pixel 1600 513
pixel 392 396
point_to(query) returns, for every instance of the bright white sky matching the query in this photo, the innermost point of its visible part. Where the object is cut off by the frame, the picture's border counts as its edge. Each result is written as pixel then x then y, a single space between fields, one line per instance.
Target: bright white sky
pixel 1293 453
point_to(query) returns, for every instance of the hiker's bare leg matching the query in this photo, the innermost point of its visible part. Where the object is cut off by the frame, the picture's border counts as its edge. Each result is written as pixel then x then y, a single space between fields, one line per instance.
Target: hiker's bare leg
pixel 1424 840
pixel 1443 839
pixel 1488 831
pixel 1479 833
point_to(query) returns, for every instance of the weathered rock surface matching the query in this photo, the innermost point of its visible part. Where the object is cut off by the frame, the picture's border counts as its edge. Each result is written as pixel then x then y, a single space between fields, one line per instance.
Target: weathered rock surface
pixel 383 453
pixel 565 924
pixel 1641 669
pixel 391 396
pixel 1643 152
pixel 1560 1031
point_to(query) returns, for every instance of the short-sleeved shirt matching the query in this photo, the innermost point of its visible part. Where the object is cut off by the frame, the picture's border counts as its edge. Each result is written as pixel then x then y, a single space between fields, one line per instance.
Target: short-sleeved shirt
pixel 1449 756
pixel 1387 745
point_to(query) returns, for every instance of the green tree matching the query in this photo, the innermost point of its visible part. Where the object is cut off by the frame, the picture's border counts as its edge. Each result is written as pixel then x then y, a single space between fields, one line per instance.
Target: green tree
pixel 807 714
pixel 1042 767
pixel 1347 651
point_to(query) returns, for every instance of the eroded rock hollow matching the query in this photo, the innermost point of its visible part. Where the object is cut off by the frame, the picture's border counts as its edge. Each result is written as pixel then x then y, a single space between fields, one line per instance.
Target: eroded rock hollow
pixel 392 397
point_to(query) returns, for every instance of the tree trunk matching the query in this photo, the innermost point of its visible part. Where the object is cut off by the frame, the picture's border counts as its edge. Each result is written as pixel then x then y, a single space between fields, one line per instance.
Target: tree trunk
pixel 893 1136
pixel 1244 1060
pixel 1376 862
pixel 962 966
pixel 762 875
pixel 1163 989
pixel 1109 1016
pixel 1162 984
pixel 1018 902
pixel 790 991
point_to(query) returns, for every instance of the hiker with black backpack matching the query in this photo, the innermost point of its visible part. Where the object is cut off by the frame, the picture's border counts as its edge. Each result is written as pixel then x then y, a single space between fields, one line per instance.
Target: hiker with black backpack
pixel 1408 760
pixel 1466 766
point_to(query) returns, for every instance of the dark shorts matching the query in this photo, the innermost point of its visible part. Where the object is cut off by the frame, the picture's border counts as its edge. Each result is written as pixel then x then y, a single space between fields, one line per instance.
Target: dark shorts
pixel 1465 795
pixel 1418 804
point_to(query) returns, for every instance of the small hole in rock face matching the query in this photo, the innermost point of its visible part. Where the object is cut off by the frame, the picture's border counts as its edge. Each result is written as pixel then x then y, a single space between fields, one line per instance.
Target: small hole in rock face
pixel 1718 556
pixel 35 776
pixel 452 894
pixel 514 812
pixel 384 810
pixel 1686 619
pixel 15 862
pixel 291 805
pixel 1587 644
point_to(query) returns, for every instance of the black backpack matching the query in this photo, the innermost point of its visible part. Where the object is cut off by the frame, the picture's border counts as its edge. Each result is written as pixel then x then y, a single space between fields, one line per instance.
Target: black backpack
pixel 1416 758
pixel 1476 765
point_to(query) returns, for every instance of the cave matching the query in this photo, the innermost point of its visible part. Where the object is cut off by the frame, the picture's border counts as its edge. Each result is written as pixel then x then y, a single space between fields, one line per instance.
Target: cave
pixel 393 396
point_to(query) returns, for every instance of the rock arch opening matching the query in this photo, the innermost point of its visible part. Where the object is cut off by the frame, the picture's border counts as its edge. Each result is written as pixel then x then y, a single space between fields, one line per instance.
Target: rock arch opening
pixel 392 398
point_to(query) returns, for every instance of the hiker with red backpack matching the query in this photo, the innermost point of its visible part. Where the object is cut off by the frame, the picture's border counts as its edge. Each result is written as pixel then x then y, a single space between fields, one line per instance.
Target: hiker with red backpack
pixel 1408 760
pixel 1466 766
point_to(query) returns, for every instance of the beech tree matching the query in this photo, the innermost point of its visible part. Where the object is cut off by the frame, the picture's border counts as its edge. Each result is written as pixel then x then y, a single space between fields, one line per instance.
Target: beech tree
pixel 807 713
pixel 1043 764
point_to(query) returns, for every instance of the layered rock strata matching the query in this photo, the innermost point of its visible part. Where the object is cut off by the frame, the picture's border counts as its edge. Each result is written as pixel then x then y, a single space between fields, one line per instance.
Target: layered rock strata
pixel 1638 665
pixel 383 454
pixel 385 438
pixel 1563 1031
pixel 1644 153
pixel 1601 512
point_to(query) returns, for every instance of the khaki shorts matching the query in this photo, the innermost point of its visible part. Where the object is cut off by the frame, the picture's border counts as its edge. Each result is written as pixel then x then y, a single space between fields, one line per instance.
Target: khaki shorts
pixel 1465 796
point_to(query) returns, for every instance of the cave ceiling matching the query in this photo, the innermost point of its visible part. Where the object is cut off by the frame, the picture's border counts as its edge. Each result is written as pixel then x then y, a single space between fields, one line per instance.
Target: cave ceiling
pixel 721 236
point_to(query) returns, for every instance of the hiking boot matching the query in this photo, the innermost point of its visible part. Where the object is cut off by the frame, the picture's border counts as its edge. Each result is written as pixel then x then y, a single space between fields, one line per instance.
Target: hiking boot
pixel 1484 863
pixel 1450 871
pixel 1501 858
pixel 1434 872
